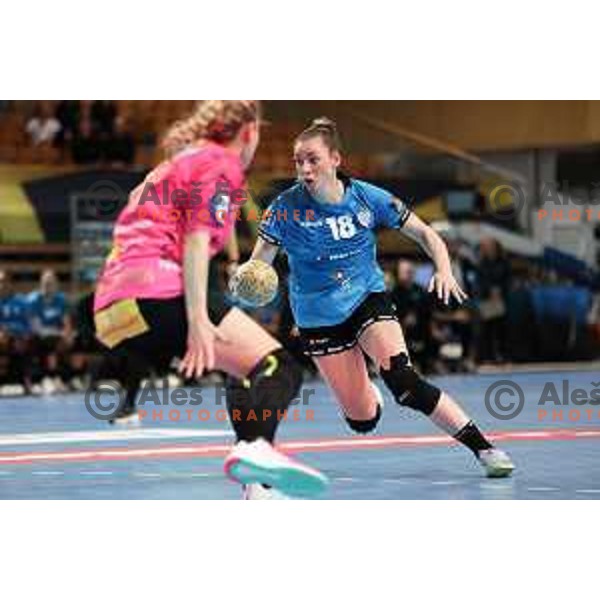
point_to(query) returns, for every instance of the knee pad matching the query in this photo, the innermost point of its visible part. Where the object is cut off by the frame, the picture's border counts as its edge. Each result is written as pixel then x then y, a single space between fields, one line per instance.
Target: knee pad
pixel 408 387
pixel 365 426
pixel 274 382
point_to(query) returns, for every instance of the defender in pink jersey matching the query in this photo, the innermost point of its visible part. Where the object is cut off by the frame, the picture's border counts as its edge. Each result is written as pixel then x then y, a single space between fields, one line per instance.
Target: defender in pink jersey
pixel 151 303
pixel 176 199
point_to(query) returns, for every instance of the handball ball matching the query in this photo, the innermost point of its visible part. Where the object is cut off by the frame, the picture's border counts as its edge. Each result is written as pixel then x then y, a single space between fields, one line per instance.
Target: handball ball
pixel 254 284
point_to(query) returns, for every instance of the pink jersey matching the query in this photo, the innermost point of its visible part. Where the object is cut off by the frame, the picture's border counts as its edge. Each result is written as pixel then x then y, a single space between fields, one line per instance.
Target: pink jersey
pixel 190 192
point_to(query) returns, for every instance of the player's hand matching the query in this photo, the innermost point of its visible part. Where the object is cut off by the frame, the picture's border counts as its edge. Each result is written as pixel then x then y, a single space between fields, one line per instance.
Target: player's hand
pixel 200 354
pixel 232 267
pixel 444 285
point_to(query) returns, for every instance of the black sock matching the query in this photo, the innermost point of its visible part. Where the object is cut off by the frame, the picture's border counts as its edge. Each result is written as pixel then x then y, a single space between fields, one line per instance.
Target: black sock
pixel 472 438
pixel 128 370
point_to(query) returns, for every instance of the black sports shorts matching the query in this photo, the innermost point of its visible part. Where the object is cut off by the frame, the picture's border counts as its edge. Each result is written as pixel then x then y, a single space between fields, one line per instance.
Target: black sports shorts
pixel 162 326
pixel 322 341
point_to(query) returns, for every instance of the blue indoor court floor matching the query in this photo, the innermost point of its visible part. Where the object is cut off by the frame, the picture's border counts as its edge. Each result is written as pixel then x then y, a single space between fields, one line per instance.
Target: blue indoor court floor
pixel 52 448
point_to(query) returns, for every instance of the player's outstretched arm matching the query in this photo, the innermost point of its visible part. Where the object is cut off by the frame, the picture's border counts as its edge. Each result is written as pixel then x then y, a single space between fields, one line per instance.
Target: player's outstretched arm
pixel 264 251
pixel 443 282
pixel 201 332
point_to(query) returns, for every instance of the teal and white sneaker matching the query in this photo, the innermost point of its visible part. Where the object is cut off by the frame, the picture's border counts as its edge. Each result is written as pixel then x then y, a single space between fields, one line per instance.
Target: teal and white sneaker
pixel 256 491
pixel 496 462
pixel 260 462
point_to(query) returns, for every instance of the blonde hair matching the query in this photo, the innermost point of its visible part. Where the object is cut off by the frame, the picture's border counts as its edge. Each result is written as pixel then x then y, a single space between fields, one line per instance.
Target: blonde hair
pixel 215 120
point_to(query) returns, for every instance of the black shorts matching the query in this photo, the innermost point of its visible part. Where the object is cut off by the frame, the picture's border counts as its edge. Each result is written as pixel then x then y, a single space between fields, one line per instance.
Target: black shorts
pixel 323 341
pixel 166 335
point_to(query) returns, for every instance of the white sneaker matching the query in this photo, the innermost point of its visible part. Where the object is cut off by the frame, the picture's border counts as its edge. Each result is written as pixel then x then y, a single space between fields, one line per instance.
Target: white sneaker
pixel 260 462
pixel 129 419
pixel 127 415
pixel 256 491
pixel 48 386
pixel 496 462
pixel 78 384
pixel 59 385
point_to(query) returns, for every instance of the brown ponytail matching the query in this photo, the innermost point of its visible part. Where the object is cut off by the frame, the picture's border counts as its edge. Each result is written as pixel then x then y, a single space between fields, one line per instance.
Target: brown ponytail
pixel 326 129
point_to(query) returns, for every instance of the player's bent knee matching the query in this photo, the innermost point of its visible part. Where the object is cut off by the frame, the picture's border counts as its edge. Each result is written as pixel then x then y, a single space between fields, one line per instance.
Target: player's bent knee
pixel 365 426
pixel 408 387
pixel 275 381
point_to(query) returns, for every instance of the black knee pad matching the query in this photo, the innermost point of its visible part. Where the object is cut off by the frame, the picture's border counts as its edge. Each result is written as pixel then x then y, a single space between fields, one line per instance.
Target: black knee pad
pixel 365 426
pixel 271 386
pixel 274 382
pixel 407 386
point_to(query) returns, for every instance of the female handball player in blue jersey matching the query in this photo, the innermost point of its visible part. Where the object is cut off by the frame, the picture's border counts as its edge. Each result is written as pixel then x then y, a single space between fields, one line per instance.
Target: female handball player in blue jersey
pixel 325 223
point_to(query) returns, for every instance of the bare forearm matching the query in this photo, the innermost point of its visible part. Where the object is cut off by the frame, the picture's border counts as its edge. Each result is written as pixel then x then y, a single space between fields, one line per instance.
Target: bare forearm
pixel 431 243
pixel 264 251
pixel 435 247
pixel 233 248
pixel 195 274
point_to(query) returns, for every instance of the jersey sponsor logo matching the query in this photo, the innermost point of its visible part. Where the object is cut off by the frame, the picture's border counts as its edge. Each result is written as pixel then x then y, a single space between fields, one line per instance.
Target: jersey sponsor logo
pixel 343 255
pixel 310 223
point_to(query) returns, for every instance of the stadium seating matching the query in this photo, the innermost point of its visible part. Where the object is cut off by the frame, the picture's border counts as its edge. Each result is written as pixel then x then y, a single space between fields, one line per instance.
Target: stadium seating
pixel 149 119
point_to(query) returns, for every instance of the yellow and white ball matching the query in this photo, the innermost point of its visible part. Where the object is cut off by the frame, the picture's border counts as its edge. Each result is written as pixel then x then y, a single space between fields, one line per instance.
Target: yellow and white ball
pixel 254 284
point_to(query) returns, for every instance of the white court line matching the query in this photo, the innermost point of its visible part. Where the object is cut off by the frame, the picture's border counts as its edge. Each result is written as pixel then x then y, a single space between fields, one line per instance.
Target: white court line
pixel 587 491
pixel 543 489
pixel 444 482
pixel 48 473
pixel 95 473
pixel 114 435
pixel 487 485
pixel 221 448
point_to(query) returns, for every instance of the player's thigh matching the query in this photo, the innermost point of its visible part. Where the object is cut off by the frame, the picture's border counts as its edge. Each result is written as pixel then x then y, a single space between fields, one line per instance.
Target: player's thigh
pixel 246 344
pixel 347 376
pixel 382 340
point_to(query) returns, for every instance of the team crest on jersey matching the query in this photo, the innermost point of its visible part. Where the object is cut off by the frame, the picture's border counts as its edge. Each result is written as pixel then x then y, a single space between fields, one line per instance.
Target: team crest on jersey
pixel 219 208
pixel 365 217
pixel 221 202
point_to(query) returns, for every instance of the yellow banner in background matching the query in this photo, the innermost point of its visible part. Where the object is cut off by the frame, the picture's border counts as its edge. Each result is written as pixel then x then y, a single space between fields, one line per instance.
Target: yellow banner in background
pixel 19 222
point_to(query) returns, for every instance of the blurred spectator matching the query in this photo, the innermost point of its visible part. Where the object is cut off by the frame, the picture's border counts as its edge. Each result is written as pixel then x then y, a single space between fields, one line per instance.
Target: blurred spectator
pixel 119 148
pixel 103 114
pixel 15 336
pixel 455 323
pixel 43 127
pixel 85 145
pixel 493 283
pixel 414 310
pixel 67 114
pixel 52 328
